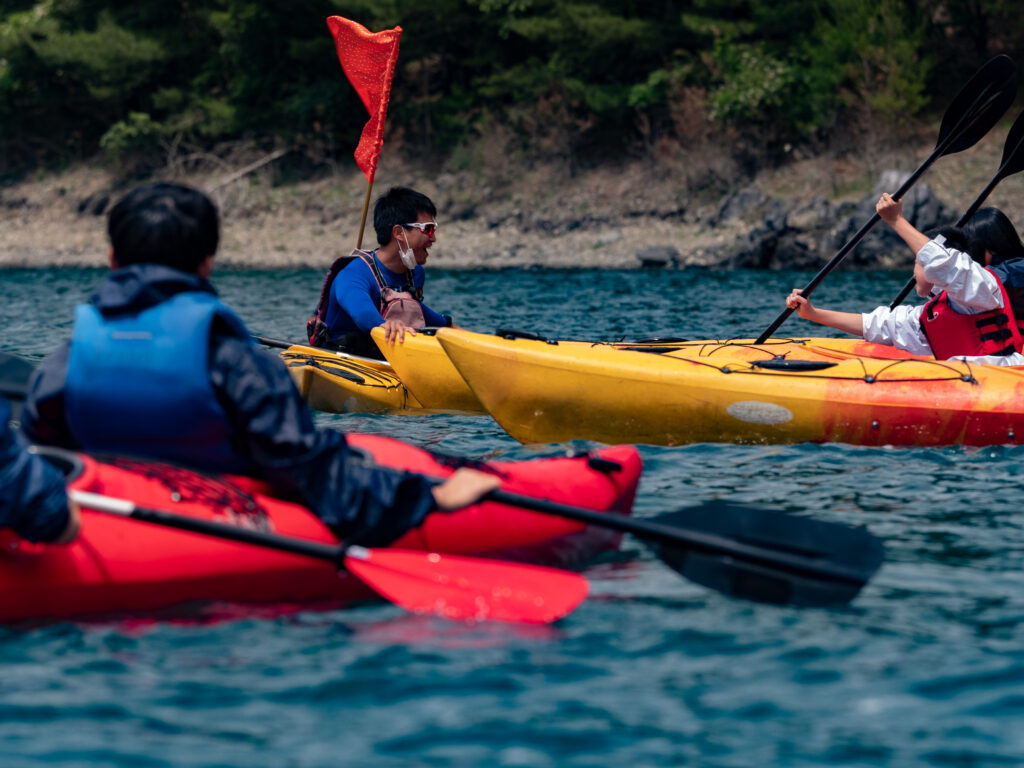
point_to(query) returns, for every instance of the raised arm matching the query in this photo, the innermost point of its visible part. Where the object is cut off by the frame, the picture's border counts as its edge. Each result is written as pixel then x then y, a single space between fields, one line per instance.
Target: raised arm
pixel 891 212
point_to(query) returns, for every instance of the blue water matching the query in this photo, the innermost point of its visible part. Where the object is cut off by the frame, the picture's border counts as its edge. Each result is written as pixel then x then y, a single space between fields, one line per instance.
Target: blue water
pixel 926 667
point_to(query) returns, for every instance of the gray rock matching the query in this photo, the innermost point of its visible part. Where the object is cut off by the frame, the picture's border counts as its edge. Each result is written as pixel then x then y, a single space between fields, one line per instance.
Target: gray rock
pixel 805 235
pixel 812 216
pixel 738 205
pixel 881 245
pixel 658 257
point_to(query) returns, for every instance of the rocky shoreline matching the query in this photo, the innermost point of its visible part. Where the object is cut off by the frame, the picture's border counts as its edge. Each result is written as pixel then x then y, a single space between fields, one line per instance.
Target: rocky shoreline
pixel 634 215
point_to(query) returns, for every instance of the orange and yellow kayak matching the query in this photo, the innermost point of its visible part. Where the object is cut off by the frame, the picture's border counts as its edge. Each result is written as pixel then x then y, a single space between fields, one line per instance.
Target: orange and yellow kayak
pixel 786 391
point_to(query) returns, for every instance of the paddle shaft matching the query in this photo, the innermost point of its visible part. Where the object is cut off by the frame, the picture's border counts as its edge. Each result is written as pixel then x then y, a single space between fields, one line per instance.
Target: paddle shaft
pixel 451 586
pixel 940 150
pixel 278 343
pixel 315 549
pixel 696 540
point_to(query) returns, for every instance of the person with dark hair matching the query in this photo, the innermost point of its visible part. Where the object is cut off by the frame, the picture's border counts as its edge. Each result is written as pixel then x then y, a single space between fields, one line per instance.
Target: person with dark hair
pixel 966 316
pixel 382 287
pixel 166 224
pixel 996 233
pixel 159 367
pixel 33 502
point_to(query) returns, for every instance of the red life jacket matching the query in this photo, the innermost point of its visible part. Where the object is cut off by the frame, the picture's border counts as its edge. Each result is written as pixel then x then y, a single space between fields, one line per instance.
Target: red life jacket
pixel 952 334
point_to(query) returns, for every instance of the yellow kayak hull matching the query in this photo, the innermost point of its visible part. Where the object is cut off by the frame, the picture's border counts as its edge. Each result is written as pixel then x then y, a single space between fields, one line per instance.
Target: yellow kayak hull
pixel 794 391
pixel 428 374
pixel 339 383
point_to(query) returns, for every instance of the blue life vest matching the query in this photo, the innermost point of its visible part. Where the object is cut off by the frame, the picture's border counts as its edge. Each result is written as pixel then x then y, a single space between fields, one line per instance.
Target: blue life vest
pixel 140 384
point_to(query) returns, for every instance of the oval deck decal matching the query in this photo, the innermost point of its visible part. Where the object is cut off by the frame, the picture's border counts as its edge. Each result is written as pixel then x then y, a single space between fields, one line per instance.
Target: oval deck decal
pixel 755 412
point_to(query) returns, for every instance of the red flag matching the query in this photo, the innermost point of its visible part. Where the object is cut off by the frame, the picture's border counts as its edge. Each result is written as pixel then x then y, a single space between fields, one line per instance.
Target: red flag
pixel 369 63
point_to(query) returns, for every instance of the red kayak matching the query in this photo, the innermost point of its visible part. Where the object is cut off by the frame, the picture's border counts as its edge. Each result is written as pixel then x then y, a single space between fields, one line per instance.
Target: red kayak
pixel 121 566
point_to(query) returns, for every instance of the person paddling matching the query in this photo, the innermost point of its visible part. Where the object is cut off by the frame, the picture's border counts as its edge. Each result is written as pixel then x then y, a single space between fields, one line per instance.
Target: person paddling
pixel 968 316
pixel 382 287
pixel 158 367
pixel 33 502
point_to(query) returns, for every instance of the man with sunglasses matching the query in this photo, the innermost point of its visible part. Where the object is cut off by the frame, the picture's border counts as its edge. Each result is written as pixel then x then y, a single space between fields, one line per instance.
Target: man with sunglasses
pixel 383 287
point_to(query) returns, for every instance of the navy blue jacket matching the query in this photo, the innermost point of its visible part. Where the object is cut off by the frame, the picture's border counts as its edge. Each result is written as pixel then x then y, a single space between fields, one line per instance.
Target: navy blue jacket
pixel 1011 275
pixel 32 497
pixel 272 426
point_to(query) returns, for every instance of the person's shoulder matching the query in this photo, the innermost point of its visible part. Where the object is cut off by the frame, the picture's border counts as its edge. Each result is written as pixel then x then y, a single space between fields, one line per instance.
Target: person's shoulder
pixel 357 261
pixel 356 270
pixel 1011 269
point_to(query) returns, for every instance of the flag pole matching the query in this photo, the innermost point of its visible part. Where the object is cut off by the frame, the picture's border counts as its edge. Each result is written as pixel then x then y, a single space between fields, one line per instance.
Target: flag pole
pixel 366 208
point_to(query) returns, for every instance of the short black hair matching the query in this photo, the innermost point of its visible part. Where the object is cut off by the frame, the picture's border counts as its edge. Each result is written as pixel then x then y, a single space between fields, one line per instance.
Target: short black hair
pixel 163 223
pixel 399 205
pixel 960 240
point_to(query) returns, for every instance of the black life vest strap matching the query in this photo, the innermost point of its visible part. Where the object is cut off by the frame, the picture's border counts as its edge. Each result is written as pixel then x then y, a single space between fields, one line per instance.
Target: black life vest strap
pixel 1000 319
pixel 1000 335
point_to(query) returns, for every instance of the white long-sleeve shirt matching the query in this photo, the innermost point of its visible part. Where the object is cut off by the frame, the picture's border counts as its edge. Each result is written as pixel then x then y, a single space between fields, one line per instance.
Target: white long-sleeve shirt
pixel 970 287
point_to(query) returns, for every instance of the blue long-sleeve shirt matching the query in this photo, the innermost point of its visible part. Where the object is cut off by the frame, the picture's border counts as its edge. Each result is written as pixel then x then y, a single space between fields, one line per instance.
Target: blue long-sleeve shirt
pixel 32 497
pixel 272 426
pixel 355 298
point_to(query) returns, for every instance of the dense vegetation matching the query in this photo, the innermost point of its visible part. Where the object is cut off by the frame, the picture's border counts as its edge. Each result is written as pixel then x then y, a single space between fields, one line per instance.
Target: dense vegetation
pixel 572 80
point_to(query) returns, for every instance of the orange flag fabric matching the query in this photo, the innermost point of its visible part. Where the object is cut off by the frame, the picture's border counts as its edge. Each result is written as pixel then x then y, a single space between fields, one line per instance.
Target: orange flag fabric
pixel 369 62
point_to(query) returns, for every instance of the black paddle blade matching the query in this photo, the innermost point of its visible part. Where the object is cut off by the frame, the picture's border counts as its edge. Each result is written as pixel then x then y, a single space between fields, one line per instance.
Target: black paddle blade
pixel 979 105
pixel 1013 149
pixel 772 557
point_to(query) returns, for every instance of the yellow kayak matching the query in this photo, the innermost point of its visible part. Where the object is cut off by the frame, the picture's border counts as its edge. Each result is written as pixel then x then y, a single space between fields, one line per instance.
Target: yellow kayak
pixel 337 382
pixel 427 373
pixel 792 390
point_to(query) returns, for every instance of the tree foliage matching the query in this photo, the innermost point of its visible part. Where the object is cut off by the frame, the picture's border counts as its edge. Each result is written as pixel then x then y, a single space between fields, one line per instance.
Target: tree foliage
pixel 572 79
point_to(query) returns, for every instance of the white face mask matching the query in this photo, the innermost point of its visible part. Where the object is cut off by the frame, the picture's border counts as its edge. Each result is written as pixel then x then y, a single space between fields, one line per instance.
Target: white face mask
pixel 407 256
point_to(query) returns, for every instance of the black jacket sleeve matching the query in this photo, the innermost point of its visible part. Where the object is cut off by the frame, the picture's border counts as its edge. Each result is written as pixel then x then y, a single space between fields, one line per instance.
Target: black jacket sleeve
pixel 32 497
pixel 43 419
pixel 362 502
